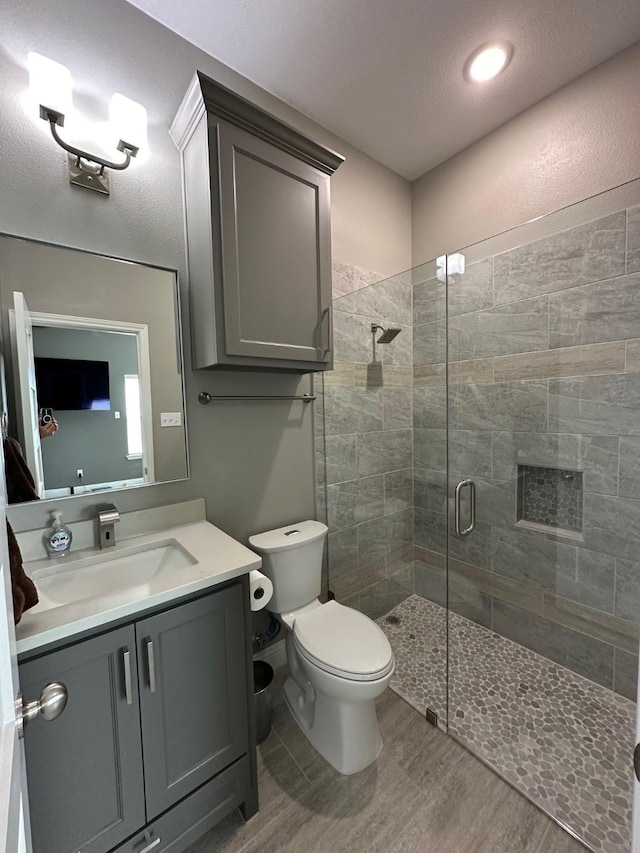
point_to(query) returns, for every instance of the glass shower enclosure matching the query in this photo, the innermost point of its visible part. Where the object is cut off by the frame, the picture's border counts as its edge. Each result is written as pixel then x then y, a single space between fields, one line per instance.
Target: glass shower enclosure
pixel 481 477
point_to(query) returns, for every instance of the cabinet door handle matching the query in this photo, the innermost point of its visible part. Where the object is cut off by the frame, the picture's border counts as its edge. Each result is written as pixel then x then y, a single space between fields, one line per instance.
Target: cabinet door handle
pixel 126 661
pixel 151 666
pixel 326 350
pixel 150 846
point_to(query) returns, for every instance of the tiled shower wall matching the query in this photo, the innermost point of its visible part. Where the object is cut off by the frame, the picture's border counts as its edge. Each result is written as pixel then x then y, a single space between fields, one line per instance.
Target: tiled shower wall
pixel 544 370
pixel 364 445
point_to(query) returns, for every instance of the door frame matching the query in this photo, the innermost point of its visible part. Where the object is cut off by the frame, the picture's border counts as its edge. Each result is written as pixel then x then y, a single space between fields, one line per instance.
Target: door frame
pixel 141 332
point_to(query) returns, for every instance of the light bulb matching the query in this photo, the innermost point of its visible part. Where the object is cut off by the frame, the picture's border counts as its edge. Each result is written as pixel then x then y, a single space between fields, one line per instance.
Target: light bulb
pixel 128 121
pixel 49 83
pixel 488 61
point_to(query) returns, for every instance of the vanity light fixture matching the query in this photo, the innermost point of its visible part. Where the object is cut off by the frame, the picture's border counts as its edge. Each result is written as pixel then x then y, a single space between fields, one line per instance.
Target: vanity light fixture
pixel 50 83
pixel 488 61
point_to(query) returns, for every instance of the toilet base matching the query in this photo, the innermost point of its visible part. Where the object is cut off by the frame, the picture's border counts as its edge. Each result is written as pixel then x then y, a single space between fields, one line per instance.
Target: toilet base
pixel 345 733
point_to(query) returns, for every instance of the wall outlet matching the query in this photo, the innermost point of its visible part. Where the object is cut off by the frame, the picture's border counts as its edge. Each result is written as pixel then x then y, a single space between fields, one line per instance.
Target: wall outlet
pixel 116 415
pixel 170 419
pixel 79 473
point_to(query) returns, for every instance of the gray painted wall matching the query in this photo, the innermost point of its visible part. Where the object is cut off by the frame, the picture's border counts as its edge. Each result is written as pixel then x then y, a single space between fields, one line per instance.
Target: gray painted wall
pixel 253 462
pixel 94 441
pixel 583 139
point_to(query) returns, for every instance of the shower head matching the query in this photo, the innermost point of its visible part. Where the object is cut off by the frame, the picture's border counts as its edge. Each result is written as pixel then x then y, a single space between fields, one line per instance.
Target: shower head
pixel 387 334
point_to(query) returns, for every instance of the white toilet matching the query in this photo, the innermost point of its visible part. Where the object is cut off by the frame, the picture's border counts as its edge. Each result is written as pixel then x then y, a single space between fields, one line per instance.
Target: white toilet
pixel 339 659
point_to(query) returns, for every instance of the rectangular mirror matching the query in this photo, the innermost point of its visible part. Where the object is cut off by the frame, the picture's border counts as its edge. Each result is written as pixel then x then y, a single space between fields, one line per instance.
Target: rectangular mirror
pixel 92 385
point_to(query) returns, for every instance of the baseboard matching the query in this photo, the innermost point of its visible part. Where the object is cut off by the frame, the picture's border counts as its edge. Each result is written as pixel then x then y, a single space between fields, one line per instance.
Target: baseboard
pixel 275 654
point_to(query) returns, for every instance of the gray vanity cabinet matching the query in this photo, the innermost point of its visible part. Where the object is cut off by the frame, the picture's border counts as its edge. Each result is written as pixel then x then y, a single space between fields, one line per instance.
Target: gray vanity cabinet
pixel 258 233
pixel 157 741
pixel 192 695
pixel 84 769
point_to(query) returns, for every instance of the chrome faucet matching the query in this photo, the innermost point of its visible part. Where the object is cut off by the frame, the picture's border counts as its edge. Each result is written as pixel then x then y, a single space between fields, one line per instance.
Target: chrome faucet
pixel 107 518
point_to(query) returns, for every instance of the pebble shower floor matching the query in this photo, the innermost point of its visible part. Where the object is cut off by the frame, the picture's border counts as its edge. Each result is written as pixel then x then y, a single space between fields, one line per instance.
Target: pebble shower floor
pixel 562 740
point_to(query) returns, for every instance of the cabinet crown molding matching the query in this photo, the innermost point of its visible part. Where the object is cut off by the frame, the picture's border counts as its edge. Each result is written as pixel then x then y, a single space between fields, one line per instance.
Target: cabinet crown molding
pixel 207 95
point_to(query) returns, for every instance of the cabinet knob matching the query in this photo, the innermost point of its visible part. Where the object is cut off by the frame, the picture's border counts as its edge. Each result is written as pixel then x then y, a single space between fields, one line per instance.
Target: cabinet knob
pixel 52 702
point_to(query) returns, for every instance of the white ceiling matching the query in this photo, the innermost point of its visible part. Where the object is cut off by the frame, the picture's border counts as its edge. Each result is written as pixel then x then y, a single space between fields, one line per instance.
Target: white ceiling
pixel 386 75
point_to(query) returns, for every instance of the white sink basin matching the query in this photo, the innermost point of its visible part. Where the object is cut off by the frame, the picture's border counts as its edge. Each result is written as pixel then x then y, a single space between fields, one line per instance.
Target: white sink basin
pixel 112 578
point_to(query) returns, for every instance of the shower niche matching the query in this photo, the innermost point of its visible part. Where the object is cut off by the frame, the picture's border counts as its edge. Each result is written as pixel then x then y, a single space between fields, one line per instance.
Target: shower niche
pixel 550 499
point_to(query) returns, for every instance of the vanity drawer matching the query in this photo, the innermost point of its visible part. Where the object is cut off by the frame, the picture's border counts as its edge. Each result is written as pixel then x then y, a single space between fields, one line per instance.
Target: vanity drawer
pixel 189 819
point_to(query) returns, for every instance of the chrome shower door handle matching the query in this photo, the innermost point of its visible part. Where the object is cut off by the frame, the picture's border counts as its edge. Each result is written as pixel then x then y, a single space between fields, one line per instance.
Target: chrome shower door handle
pixel 472 507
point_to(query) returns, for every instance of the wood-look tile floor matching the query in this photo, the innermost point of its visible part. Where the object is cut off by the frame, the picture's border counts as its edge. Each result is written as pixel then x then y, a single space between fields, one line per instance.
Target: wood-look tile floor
pixel 425 794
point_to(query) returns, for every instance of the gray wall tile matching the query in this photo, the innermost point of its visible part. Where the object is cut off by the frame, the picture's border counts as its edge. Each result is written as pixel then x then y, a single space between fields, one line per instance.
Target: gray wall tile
pixel 430 448
pixel 397 408
pixel 349 277
pixel 628 589
pixel 603 311
pixel 630 466
pixel 588 360
pixel 430 490
pixel 625 674
pixel 633 239
pixel 400 529
pixel 341 505
pixel 398 490
pixel 390 298
pixel 350 410
pixel 400 350
pixel 582 593
pixel 531 557
pixel 512 328
pixel 430 407
pixel 612 525
pixel 596 570
pixel 379 452
pixel 590 252
pixel 382 597
pixel 343 552
pixel 340 458
pixel 430 530
pixel 470 452
pixel 474 549
pixel 517 406
pixel 352 337
pixel 430 343
pixel 472 291
pixel 428 301
pixel 596 405
pixel 578 652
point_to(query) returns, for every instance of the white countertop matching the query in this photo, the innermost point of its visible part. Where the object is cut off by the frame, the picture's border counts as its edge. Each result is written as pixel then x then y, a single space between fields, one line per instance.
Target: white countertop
pixel 216 558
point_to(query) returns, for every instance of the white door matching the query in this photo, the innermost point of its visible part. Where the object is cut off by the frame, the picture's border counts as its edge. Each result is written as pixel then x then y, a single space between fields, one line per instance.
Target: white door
pixel 26 380
pixel 14 826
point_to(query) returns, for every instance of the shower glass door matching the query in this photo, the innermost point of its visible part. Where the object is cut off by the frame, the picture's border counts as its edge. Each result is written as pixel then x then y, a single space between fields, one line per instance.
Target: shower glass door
pixel 542 504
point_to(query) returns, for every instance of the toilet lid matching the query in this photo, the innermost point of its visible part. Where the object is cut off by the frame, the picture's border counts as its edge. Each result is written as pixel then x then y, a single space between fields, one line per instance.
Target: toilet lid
pixel 342 640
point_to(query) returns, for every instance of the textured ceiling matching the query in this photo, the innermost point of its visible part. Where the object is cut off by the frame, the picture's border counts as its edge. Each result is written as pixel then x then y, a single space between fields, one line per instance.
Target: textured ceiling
pixel 386 75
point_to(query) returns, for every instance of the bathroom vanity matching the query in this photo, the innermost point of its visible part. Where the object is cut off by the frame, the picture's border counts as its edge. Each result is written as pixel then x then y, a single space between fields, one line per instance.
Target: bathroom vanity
pixel 156 743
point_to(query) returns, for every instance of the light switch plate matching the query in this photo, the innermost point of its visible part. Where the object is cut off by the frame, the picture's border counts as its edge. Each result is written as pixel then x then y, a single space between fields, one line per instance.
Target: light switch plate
pixel 170 419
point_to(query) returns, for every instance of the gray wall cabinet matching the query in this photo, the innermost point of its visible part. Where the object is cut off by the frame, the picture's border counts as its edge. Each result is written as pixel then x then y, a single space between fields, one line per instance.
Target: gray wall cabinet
pixel 258 230
pixel 157 741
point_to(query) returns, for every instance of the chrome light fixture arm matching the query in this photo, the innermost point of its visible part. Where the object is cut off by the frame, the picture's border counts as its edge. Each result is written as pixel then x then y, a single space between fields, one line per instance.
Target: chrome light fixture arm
pixel 56 119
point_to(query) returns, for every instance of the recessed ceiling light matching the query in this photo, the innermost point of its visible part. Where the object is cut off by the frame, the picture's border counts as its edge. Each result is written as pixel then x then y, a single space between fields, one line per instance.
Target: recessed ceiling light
pixel 488 61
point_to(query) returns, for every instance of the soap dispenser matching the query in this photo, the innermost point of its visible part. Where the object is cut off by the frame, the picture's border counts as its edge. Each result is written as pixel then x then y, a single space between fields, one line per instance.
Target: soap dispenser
pixel 57 539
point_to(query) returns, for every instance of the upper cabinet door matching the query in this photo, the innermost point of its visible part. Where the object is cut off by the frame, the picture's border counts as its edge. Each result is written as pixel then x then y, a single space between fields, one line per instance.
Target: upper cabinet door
pixel 276 251
pixel 193 694
pixel 258 232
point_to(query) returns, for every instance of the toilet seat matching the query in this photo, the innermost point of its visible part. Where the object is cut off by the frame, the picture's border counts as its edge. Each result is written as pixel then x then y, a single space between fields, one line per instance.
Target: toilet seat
pixel 343 642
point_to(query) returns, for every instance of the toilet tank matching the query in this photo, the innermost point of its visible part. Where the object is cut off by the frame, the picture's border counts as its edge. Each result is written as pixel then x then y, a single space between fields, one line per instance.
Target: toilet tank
pixel 292 560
